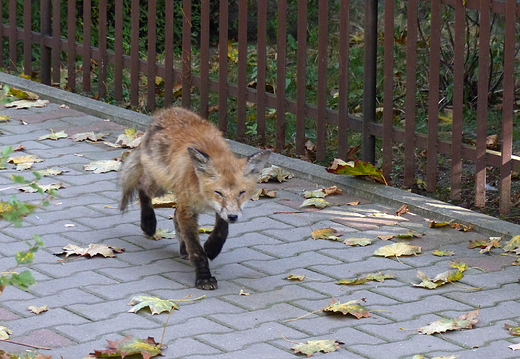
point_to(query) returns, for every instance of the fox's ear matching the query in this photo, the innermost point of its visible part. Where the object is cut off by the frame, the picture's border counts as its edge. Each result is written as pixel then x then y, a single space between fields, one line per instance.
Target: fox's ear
pixel 201 161
pixel 256 162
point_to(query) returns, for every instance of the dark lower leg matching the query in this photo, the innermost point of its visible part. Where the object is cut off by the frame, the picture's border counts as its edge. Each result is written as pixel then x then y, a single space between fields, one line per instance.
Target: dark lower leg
pixel 148 220
pixel 217 238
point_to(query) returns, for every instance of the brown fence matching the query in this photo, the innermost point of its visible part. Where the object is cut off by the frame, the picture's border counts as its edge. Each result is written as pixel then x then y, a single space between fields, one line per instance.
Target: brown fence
pixel 400 78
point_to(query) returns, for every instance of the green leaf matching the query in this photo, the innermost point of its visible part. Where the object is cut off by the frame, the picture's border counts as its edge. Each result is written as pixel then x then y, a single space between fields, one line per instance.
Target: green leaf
pixel 129 345
pixel 156 305
pixel 465 321
pixel 23 280
pixel 356 168
pixel 24 257
pixel 440 253
pixel 352 307
pixel 316 202
pixel 513 245
pixel 53 136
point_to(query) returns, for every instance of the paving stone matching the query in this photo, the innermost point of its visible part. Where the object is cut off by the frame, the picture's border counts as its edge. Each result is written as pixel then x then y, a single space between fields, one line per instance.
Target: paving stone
pixel 254 351
pixel 254 225
pixel 187 347
pixel 76 280
pixel 42 337
pixel 486 298
pixel 50 319
pixel 6 315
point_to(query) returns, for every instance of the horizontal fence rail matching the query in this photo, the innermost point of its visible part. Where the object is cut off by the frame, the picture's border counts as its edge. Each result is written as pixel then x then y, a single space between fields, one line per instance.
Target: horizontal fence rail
pixel 421 80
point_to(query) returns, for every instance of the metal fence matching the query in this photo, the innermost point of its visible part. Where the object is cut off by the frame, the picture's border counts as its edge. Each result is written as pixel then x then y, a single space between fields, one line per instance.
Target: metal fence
pixel 384 74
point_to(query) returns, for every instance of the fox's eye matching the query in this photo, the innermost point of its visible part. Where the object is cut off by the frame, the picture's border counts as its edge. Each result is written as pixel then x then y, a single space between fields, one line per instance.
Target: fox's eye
pixel 219 193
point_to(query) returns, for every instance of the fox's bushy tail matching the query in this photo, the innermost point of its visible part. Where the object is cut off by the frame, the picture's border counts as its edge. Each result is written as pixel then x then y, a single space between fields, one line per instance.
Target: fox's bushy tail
pixel 130 174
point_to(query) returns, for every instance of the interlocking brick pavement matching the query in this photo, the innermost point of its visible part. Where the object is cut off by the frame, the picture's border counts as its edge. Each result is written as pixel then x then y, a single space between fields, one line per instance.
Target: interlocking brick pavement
pixel 88 298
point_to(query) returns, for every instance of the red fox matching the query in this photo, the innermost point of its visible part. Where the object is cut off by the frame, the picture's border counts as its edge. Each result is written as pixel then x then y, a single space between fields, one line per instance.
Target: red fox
pixel 185 154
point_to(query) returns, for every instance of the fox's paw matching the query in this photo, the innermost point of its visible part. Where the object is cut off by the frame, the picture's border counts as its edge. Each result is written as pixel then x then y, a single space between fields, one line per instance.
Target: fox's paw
pixel 206 283
pixel 148 225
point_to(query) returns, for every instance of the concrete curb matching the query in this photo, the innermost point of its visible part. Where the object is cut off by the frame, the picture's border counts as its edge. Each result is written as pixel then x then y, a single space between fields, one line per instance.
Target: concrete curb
pixel 431 208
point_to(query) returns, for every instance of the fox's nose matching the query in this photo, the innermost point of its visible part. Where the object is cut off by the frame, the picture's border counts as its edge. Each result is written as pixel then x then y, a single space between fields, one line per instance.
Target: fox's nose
pixel 232 217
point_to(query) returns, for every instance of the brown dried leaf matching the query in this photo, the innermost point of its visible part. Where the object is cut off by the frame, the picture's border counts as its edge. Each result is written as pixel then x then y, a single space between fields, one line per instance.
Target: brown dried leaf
pixel 351 307
pixel 38 310
pixel 326 233
pixel 402 210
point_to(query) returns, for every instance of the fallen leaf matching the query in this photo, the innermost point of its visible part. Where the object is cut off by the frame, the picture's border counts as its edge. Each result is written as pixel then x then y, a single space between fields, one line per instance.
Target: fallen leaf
pixel 353 203
pixel 18 148
pixel 156 305
pixel 161 233
pixel 333 190
pixel 326 233
pixel 22 95
pixel 385 237
pixel 352 307
pixel 314 346
pixel 460 266
pixel 131 138
pixel 397 250
pixel 90 136
pixel 103 166
pixel 493 243
pixel 45 187
pixel 206 230
pixel 513 245
pixel 21 104
pixel 481 243
pixel 261 192
pixel 514 347
pixel 38 310
pixel 440 279
pixel 402 210
pixel 51 172
pixel 274 172
pixel 4 333
pixel 243 293
pixel 434 224
pixel 53 136
pixel 462 227
pixel 356 168
pixel 92 250
pixel 316 202
pixel 358 241
pixel 379 277
pixel 440 253
pixel 129 345
pixel 512 329
pixel 4 118
pixel 299 277
pixel 314 194
pixel 169 200
pixel 24 162
pixel 409 234
pixel 465 321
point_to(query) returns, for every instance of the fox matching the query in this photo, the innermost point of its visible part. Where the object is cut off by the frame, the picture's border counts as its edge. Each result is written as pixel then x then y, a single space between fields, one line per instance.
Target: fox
pixel 187 155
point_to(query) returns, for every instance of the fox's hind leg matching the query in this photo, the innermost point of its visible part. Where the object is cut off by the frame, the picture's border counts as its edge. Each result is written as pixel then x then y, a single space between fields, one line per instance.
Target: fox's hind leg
pixel 217 238
pixel 188 227
pixel 178 235
pixel 148 220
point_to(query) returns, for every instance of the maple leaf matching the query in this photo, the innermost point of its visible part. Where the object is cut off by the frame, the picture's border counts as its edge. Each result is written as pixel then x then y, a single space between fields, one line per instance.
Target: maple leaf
pixel 21 104
pixel 512 329
pixel 24 162
pixel 316 202
pixel 103 166
pixel 513 245
pixel 397 250
pixel 51 172
pixel 38 310
pixel 440 253
pixel 326 233
pixel 481 243
pixel 91 136
pixel 358 241
pixel 53 136
pixel 5 333
pixel 299 277
pixel 434 224
pixel 92 250
pixel 314 346
pixel 44 187
pixel 156 305
pixel 493 243
pixel 379 277
pixel 161 233
pixel 274 172
pixel 261 192
pixel 129 345
pixel 351 307
pixel 465 321
pixel 440 279
pixel 460 266
pixel 169 200
pixel 356 168
pixel 314 194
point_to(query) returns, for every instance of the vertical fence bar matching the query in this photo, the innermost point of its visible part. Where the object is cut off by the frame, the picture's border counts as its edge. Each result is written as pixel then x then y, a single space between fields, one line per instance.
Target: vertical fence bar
pixel 87 37
pixel 27 43
pixel 103 59
pixel 204 58
pixel 134 55
pixel 458 101
pixel 301 77
pixel 13 59
pixel 242 69
pixel 222 65
pixel 507 108
pixel 281 74
pixel 411 65
pixel 343 79
pixel 56 48
pixel 186 54
pixel 151 58
pixel 323 42
pixel 261 69
pixel 168 53
pixel 118 51
pixel 433 105
pixel 482 103
pixel 388 88
pixel 369 82
pixel 71 52
pixel 1 34
pixel 46 31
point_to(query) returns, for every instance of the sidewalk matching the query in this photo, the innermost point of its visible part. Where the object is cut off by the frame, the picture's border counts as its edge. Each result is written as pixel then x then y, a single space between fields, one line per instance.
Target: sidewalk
pixel 88 298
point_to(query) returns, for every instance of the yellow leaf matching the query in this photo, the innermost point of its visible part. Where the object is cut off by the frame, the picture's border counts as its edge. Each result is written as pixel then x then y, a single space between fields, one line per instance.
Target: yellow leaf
pixel 326 233
pixel 397 250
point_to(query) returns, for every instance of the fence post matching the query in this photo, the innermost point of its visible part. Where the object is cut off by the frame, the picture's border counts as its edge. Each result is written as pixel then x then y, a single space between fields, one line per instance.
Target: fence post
pixel 46 31
pixel 369 82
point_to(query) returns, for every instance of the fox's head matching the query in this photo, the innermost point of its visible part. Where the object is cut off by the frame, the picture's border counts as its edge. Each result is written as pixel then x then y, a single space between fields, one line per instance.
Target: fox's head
pixel 227 183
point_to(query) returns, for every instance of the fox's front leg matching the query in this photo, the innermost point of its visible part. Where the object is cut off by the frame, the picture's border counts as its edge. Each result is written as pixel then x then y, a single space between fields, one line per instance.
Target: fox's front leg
pixel 187 226
pixel 217 238
pixel 148 220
